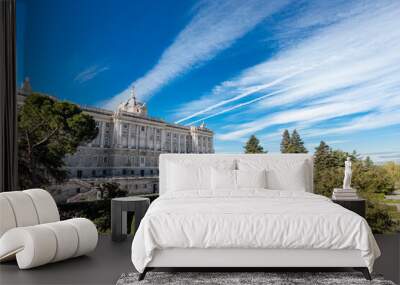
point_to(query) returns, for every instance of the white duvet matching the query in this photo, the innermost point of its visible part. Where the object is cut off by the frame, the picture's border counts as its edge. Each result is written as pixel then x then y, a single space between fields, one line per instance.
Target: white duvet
pixel 250 219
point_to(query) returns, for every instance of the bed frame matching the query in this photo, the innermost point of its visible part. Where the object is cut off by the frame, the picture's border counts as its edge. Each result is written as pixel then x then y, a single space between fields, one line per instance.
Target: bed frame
pixel 233 259
pixel 250 259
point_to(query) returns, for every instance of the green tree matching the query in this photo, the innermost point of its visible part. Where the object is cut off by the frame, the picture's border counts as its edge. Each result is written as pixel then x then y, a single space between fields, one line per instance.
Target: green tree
pixel 323 156
pixel 368 179
pixel 292 143
pixel 48 131
pixel 326 172
pixel 110 190
pixel 296 143
pixel 368 162
pixel 285 143
pixel 393 170
pixel 379 218
pixel 253 146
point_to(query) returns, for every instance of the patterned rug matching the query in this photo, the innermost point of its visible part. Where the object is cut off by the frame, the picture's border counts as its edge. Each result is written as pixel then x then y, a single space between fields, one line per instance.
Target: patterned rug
pixel 229 278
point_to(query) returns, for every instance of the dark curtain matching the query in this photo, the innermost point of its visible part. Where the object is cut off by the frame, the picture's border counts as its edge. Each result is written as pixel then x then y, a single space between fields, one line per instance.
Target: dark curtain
pixel 8 104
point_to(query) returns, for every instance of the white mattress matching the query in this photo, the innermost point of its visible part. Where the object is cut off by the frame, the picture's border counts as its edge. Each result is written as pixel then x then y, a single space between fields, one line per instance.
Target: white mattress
pixel 253 219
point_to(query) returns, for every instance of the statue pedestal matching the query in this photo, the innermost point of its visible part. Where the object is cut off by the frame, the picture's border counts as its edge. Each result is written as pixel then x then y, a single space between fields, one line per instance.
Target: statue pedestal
pixel 344 194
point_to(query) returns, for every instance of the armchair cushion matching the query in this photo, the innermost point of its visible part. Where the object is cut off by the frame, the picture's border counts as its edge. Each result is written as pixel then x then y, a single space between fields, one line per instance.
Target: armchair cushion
pixel 41 244
pixel 31 231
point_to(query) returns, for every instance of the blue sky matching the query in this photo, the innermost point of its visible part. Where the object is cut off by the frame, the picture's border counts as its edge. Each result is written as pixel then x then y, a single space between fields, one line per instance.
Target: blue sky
pixel 331 69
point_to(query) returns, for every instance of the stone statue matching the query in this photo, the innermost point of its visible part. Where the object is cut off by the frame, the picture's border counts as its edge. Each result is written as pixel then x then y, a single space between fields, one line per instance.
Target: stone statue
pixel 347 174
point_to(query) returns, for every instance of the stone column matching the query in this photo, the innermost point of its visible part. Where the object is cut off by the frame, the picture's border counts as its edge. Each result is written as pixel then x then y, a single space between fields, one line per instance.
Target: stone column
pixel 162 140
pixel 137 136
pixel 170 142
pixel 179 142
pixel 129 144
pixel 154 139
pixel 102 131
pixel 146 138
pixel 134 139
pixel 118 134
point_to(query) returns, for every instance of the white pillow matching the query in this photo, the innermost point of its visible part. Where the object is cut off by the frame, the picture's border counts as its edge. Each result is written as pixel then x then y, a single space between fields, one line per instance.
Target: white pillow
pixel 223 179
pixel 183 177
pixel 294 179
pixel 191 174
pixel 251 178
pixel 282 174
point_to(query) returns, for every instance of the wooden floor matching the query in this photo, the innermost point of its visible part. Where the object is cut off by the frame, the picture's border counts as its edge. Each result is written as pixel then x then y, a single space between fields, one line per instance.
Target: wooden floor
pixel 111 259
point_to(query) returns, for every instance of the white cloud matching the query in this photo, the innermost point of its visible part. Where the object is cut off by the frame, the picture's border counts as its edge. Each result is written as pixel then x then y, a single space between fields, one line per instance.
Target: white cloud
pixel 246 93
pixel 362 123
pixel 229 109
pixel 215 26
pixel 382 157
pixel 90 73
pixel 350 67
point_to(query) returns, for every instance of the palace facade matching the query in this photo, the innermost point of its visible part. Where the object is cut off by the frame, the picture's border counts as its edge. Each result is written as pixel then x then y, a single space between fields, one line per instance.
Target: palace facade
pixel 127 148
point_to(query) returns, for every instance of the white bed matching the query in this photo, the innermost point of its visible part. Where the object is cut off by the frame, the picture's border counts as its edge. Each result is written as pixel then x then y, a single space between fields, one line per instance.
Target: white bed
pixel 197 222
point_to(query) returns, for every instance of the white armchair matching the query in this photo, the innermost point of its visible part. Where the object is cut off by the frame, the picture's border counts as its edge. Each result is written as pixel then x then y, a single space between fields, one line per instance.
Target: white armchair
pixel 31 230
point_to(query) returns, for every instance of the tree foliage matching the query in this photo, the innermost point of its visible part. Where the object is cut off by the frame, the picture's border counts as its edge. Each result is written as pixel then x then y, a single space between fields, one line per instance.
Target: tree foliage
pixel 292 143
pixel 369 180
pixel 285 143
pixel 110 190
pixel 253 146
pixel 379 218
pixel 48 130
pixel 393 170
pixel 296 143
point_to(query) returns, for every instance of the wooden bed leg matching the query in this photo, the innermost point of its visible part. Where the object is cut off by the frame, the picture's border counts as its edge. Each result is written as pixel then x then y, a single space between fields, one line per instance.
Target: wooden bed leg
pixel 142 275
pixel 364 271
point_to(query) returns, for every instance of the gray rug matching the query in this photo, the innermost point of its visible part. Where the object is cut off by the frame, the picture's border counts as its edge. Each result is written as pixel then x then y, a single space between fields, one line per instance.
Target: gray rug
pixel 228 278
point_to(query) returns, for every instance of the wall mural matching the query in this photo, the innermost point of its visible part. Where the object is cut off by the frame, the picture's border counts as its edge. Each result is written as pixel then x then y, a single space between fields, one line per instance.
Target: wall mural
pixel 105 87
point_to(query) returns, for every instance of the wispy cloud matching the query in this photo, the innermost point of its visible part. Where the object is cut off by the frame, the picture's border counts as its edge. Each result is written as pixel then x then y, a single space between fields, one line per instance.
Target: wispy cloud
pixel 347 68
pixel 382 157
pixel 215 26
pixel 90 73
